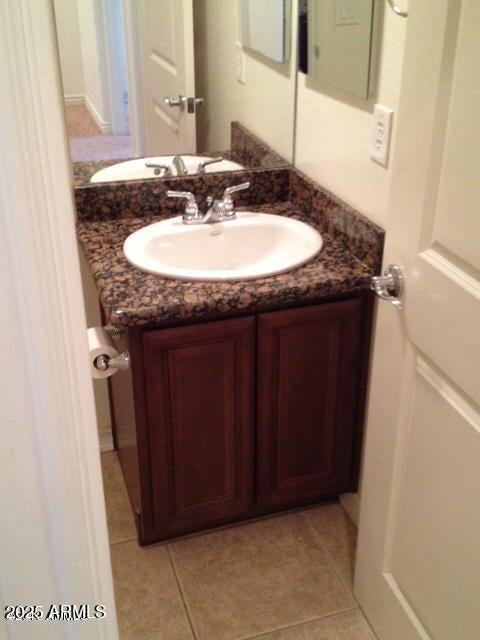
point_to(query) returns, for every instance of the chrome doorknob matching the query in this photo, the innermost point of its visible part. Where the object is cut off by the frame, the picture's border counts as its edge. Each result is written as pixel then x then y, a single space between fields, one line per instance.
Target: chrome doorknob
pixel 390 286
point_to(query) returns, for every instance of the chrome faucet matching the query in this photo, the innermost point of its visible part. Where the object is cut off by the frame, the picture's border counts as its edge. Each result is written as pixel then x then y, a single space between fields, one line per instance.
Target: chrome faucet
pixel 218 210
pixel 179 164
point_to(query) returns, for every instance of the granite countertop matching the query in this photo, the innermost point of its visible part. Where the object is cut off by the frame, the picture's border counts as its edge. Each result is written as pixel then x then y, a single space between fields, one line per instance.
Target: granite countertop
pixel 132 297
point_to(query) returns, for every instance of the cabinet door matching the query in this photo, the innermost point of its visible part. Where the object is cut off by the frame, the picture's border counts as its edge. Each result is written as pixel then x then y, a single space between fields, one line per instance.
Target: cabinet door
pixel 308 377
pixel 199 403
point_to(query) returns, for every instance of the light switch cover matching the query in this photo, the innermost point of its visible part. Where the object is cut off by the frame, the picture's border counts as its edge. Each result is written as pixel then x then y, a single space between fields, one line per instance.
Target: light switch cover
pixel 346 12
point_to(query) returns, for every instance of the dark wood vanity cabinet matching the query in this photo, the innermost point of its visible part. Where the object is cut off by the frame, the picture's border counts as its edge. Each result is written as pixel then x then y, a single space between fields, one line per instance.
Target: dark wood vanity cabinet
pixel 308 376
pixel 199 397
pixel 236 418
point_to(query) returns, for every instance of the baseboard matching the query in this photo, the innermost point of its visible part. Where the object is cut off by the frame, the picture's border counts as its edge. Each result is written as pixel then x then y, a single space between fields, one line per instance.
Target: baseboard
pixel 351 505
pixel 105 127
pixel 105 438
pixel 74 100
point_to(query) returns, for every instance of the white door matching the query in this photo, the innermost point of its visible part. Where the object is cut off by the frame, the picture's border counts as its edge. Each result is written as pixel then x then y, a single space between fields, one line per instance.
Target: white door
pixel 167 52
pixel 418 562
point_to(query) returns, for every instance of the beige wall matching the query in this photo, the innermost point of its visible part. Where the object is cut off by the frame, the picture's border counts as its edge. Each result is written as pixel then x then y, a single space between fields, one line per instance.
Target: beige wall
pixel 334 129
pixel 68 33
pixel 333 140
pixel 94 58
pixel 265 104
pixel 216 32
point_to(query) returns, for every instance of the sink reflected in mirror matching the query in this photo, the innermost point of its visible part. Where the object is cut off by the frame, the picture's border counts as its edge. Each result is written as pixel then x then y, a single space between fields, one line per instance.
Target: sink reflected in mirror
pixel 162 166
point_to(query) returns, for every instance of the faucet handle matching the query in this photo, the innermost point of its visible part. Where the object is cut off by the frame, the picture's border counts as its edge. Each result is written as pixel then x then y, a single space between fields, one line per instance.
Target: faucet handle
pixel 181 194
pixel 157 167
pixel 205 163
pixel 228 206
pixel 234 188
pixel 191 208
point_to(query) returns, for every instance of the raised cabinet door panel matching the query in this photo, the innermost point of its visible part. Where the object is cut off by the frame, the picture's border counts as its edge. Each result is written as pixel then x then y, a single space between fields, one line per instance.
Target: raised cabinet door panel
pixel 199 402
pixel 308 376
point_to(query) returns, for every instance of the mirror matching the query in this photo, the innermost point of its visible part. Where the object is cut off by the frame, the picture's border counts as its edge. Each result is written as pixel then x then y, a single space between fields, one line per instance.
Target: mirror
pixel 335 43
pixel 160 88
pixel 264 28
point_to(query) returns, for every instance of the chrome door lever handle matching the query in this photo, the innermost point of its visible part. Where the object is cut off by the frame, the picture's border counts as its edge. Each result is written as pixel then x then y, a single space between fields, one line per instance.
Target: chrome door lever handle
pixel 183 102
pixel 176 102
pixel 390 286
pixel 192 104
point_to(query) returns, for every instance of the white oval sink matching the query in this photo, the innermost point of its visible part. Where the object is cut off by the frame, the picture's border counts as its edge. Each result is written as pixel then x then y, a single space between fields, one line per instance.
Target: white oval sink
pixel 255 245
pixel 136 169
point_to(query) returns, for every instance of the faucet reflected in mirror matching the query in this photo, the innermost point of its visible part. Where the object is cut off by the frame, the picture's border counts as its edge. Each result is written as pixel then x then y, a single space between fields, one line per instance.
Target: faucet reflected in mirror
pixel 174 94
pixel 179 164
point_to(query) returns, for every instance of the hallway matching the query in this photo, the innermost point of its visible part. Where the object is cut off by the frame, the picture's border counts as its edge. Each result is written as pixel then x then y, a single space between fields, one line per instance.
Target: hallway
pixel 87 143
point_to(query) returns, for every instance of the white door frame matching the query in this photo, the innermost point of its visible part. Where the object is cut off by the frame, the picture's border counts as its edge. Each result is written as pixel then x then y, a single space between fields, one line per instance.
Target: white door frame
pixel 136 108
pixel 53 539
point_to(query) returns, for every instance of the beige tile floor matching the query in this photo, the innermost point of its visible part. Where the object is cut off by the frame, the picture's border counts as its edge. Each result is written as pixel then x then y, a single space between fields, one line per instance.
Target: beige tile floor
pixel 288 577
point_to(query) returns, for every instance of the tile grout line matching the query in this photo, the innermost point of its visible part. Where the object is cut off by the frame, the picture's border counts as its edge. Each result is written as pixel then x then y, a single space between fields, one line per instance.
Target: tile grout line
pixel 367 622
pixel 264 634
pixel 301 623
pixel 353 604
pixel 181 591
pixel 348 588
pixel 113 544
